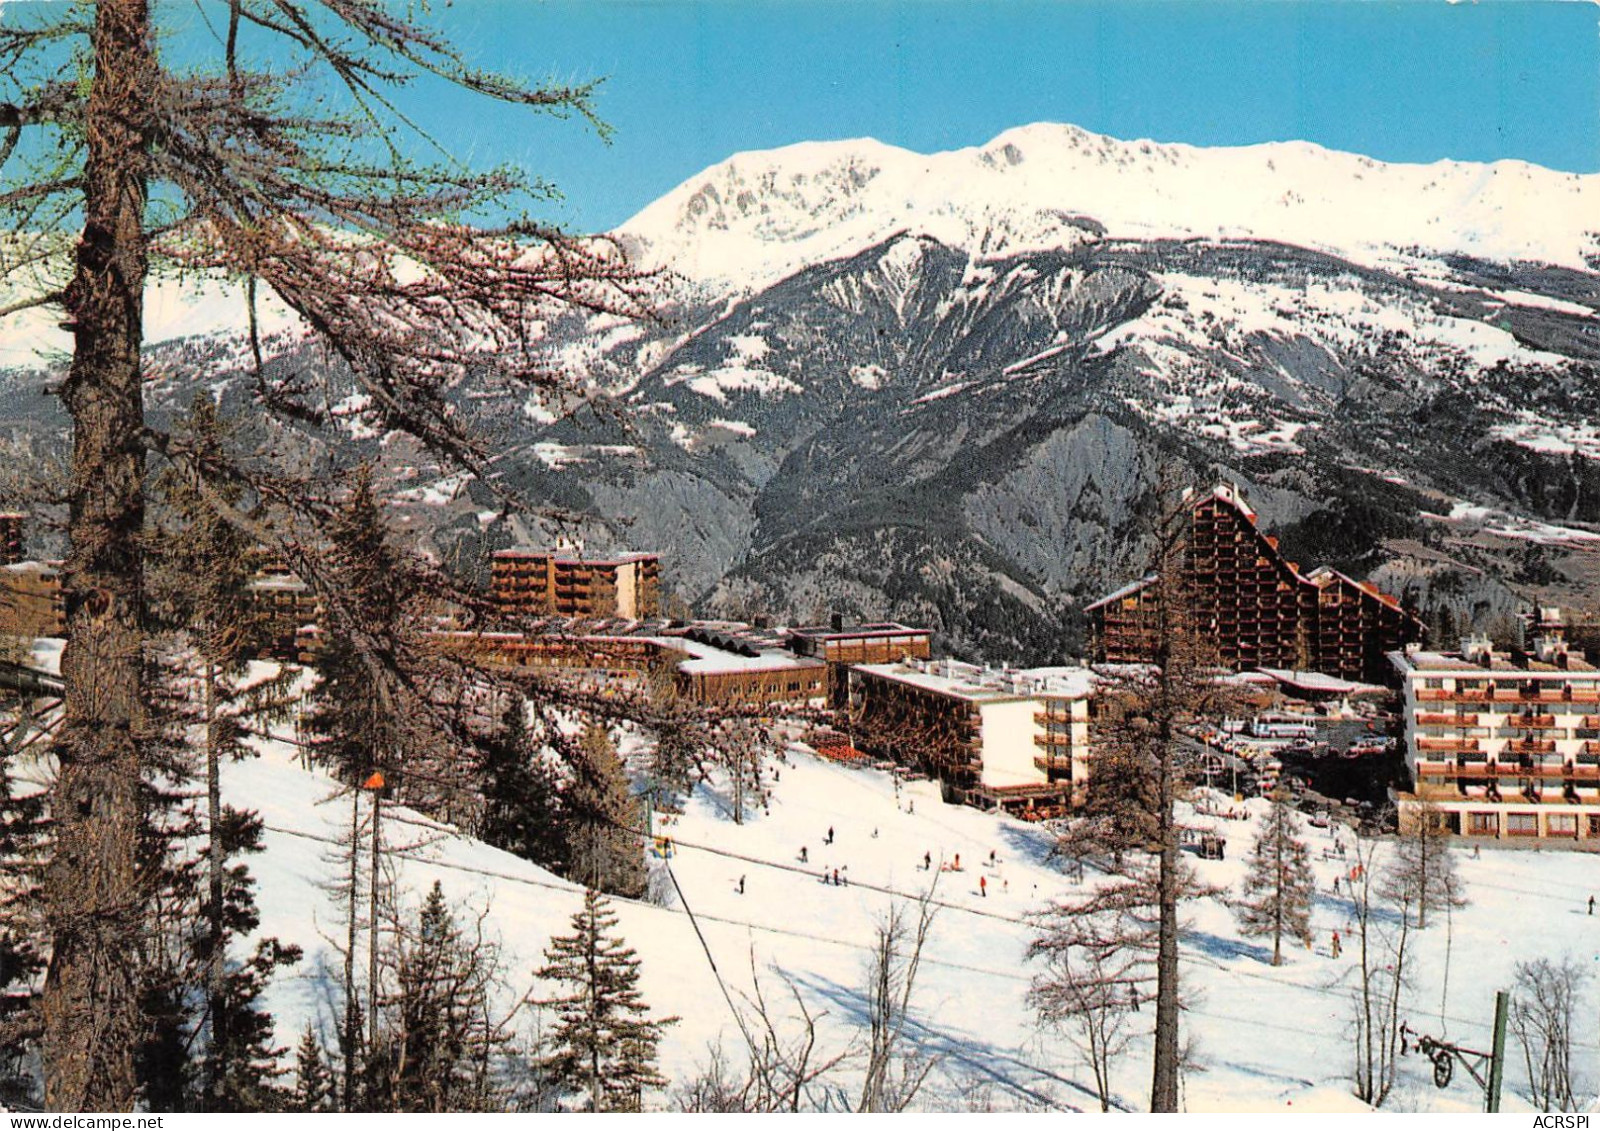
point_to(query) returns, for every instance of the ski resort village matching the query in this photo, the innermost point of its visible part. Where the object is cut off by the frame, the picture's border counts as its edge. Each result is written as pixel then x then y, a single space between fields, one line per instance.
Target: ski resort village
pixel 870 858
pixel 771 573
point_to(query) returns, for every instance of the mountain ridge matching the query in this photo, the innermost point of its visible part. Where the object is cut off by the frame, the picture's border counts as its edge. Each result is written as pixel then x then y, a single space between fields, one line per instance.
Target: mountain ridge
pixel 1043 181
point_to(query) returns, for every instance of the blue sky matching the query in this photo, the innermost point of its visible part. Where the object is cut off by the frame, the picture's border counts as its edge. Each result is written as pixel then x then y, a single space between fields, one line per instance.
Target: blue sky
pixel 688 84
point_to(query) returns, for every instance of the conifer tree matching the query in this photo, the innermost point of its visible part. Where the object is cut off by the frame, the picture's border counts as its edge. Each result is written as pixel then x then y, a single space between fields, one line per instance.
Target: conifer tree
pixel 313 1080
pixel 602 1047
pixel 244 166
pixel 521 801
pixel 439 1040
pixel 1279 883
pixel 672 758
pixel 605 848
pixel 355 714
pixel 23 832
pixel 202 585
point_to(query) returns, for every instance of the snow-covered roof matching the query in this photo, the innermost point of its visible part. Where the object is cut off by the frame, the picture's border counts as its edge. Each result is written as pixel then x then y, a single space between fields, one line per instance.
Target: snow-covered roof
pixel 32 567
pixel 1322 684
pixel 708 660
pixel 1126 591
pixel 850 632
pixel 1232 495
pixel 292 584
pixel 1509 663
pixel 985 685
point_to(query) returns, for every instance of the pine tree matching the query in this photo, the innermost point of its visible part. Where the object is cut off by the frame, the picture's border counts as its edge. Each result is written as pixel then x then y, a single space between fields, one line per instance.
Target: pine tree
pixel 23 832
pixel 354 718
pixel 241 1065
pixel 521 801
pixel 313 1080
pixel 602 1047
pixel 241 165
pixel 606 847
pixel 672 758
pixel 201 584
pixel 1279 884
pixel 439 1041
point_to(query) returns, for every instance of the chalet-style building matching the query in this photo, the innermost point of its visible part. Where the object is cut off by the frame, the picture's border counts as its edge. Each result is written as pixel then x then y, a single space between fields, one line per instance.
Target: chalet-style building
pixel 538 583
pixel 31 600
pixel 1504 744
pixel 12 527
pixel 714 662
pixel 1257 608
pixel 1013 740
pixel 841 646
pixel 286 605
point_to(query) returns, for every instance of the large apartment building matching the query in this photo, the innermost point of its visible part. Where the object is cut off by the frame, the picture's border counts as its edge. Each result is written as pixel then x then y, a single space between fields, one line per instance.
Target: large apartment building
pixel 12 526
pixel 538 583
pixel 1002 739
pixel 1256 607
pixel 1504 744
pixel 31 599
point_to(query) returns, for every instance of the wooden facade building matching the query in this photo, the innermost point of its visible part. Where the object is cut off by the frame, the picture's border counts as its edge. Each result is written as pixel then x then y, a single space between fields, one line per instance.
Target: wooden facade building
pixel 842 646
pixel 13 527
pixel 538 583
pixel 1256 607
pixel 32 603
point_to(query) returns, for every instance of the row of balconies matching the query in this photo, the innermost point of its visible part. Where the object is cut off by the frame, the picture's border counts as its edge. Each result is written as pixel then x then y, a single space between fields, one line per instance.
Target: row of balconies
pixel 1509 724
pixel 1510 745
pixel 1493 771
pixel 1586 697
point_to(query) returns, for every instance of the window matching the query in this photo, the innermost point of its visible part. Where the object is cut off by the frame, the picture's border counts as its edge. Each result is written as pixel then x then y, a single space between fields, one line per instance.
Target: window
pixel 1561 824
pixel 1483 824
pixel 1522 824
pixel 1594 824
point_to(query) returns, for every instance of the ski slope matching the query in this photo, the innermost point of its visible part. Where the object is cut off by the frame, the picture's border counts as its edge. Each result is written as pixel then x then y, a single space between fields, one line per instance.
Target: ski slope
pixel 1268 1039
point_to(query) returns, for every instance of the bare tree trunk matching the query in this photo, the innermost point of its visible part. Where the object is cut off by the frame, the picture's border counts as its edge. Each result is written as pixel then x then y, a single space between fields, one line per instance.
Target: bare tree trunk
pixel 372 930
pixel 90 1007
pixel 216 966
pixel 1164 1077
pixel 352 1013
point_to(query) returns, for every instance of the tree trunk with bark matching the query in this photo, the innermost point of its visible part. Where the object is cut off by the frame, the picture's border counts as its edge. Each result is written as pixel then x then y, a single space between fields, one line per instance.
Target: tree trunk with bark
pixel 1164 1076
pixel 90 1007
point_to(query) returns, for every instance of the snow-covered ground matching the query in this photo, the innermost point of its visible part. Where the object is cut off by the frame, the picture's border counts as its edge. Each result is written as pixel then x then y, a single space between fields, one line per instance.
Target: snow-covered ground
pixel 1268 1039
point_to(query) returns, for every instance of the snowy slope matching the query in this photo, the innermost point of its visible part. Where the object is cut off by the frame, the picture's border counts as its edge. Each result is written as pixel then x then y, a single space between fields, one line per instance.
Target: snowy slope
pixel 1270 1039
pixel 759 216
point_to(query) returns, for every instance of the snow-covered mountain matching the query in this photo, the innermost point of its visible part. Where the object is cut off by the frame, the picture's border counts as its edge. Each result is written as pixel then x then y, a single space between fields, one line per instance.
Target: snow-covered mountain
pixel 758 217
pixel 938 384
pixel 937 387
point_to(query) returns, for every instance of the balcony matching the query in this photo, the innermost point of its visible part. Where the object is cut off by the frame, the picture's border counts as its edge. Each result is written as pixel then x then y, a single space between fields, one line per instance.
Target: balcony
pixel 1517 695
pixel 1540 770
pixel 1531 722
pixel 1436 720
pixel 1449 745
